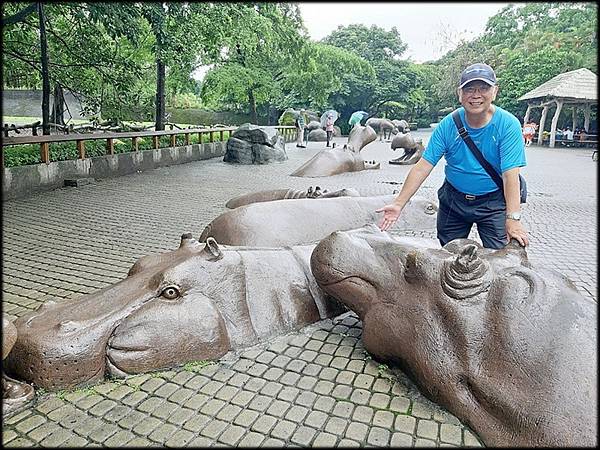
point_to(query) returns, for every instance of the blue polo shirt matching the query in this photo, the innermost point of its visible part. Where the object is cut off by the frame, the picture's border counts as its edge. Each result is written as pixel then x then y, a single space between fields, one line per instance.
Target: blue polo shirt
pixel 500 142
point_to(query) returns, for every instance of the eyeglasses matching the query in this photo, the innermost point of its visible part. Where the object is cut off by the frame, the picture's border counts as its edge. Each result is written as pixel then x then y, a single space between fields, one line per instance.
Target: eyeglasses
pixel 482 89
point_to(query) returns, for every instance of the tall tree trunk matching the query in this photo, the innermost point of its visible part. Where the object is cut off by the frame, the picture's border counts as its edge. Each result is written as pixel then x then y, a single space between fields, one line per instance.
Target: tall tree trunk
pixel 58 108
pixel 252 102
pixel 160 96
pixel 45 74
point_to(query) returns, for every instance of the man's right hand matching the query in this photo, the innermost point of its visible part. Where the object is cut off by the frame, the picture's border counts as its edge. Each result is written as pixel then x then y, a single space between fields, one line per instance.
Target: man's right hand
pixel 390 216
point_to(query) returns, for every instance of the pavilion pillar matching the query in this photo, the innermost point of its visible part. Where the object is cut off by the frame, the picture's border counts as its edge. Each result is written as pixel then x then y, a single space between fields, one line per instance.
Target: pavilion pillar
pixel 526 118
pixel 542 122
pixel 559 104
pixel 574 118
pixel 586 114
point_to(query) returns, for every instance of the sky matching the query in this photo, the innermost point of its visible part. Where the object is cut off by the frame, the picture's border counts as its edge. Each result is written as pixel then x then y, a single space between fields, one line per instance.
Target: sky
pixel 427 28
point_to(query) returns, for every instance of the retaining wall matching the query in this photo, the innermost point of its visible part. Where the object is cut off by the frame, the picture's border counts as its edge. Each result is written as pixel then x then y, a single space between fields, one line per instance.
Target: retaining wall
pixel 25 180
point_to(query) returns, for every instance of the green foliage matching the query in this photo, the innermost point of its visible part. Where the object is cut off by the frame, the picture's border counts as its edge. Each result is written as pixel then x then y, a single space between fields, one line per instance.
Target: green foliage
pixel 197 366
pixel 264 63
pixel 527 45
pixel 398 88
pixel 373 44
pixel 27 154
pixel 262 48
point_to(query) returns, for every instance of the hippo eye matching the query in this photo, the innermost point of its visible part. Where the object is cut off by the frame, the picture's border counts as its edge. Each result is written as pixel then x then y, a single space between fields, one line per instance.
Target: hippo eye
pixel 170 292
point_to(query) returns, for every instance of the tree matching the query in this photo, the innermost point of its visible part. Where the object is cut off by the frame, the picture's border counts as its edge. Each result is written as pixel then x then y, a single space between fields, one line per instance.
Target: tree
pixel 264 42
pixel 395 79
pixel 81 54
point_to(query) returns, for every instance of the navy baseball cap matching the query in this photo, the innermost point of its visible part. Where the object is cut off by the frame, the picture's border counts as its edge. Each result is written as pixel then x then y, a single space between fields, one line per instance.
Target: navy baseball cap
pixel 478 71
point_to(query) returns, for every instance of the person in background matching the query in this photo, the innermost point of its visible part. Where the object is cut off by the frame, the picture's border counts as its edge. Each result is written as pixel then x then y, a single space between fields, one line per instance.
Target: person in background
pixel 329 128
pixel 469 195
pixel 529 132
pixel 300 126
pixel 568 137
pixel 559 135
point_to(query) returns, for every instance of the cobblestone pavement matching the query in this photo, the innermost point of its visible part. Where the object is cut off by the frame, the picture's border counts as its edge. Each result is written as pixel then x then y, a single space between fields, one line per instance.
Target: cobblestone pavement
pixel 314 387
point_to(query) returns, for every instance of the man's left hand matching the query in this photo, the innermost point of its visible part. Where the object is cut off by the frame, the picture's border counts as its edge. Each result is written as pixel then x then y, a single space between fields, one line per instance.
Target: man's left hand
pixel 516 230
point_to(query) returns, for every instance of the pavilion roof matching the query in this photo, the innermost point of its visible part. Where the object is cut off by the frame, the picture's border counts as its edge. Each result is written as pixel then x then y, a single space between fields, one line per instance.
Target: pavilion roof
pixel 580 84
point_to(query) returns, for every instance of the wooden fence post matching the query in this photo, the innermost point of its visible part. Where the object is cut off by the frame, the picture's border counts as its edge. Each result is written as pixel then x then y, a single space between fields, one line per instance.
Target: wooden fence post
pixel 187 138
pixel 45 152
pixel 110 146
pixel 81 149
pixel 155 142
pixel 173 140
pixel 134 144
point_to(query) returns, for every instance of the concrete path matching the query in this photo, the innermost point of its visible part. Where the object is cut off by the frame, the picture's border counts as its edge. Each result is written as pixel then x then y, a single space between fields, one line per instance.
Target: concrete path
pixel 314 387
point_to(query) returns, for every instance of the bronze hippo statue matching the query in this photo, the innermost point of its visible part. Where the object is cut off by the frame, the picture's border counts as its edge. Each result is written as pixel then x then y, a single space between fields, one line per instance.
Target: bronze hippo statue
pixel 507 347
pixel 413 149
pixel 283 194
pixel 383 127
pixel 333 161
pixel 303 221
pixel 15 394
pixel 401 125
pixel 193 303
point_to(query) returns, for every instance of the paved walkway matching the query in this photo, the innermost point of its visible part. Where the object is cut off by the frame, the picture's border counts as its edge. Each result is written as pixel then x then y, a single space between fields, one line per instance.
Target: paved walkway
pixel 314 387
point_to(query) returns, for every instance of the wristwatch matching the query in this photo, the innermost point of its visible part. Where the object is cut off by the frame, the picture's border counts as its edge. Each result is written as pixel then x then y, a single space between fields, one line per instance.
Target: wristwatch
pixel 514 216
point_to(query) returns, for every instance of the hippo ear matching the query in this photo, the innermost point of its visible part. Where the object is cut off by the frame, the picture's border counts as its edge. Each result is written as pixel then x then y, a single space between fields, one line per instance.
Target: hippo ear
pixel 466 275
pixel 213 250
pixel 187 239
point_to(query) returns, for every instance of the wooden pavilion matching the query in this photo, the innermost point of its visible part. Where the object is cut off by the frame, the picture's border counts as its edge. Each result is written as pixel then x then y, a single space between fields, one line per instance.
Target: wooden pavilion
pixel 577 88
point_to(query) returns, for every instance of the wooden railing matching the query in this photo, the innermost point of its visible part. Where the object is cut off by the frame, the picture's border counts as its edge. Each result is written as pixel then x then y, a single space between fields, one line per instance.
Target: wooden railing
pixel 80 139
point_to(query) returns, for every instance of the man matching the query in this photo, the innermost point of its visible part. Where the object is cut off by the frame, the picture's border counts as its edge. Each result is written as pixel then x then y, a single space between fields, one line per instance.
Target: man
pixel 469 195
pixel 300 125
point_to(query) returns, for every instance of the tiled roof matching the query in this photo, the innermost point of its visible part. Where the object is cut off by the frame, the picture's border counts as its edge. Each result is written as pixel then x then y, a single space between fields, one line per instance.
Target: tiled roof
pixel 580 84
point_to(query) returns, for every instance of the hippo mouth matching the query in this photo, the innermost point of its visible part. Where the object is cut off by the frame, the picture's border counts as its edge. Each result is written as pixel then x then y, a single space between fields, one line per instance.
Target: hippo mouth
pixel 119 354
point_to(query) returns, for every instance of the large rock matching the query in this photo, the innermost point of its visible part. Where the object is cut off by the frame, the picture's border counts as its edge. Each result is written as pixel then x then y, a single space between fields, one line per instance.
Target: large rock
pixel 313 125
pixel 317 135
pixel 507 347
pixel 252 144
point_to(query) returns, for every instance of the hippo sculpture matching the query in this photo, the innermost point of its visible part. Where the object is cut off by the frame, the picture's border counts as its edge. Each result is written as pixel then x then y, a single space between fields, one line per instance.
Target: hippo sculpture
pixel 283 194
pixel 332 161
pixel 507 347
pixel 194 303
pixel 304 221
pixel 384 127
pixel 401 125
pixel 413 149
pixel 15 394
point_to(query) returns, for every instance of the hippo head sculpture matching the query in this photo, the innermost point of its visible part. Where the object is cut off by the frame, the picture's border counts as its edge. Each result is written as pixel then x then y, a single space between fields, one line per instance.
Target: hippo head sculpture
pixel 194 303
pixel 508 348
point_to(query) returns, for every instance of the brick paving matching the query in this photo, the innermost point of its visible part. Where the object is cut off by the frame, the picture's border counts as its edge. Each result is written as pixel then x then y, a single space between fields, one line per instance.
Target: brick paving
pixel 314 387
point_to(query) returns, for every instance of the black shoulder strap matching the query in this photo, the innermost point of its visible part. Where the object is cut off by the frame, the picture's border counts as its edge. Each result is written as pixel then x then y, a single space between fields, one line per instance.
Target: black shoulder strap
pixel 464 134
